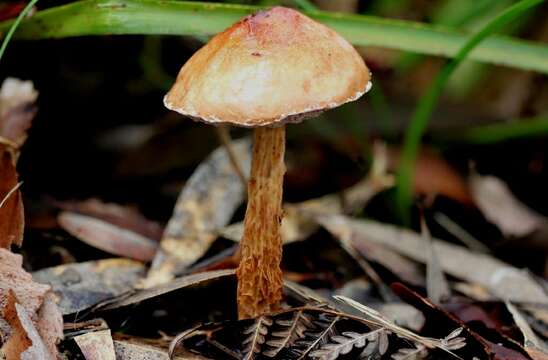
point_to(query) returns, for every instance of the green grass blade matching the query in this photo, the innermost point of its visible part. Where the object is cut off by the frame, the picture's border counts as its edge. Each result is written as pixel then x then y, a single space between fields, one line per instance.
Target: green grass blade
pixel 427 103
pixel 14 26
pixel 495 133
pixel 168 17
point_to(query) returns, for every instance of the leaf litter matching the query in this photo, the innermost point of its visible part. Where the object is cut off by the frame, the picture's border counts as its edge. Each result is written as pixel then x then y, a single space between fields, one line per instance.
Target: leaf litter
pixel 151 302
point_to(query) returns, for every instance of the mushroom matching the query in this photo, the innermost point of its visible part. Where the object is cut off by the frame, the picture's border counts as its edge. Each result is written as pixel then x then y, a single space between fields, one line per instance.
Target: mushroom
pixel 269 69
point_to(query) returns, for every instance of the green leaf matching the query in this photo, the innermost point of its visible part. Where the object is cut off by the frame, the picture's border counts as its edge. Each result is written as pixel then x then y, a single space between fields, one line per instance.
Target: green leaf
pixel 424 109
pixel 102 17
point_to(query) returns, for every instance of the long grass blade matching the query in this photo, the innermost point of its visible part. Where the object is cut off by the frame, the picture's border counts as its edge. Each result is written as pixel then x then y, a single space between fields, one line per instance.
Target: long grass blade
pixel 427 103
pixel 14 25
pixel 169 17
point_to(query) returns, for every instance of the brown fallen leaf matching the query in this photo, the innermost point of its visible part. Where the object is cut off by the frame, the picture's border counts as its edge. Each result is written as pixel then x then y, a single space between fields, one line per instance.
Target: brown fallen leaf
pixel 12 221
pixel 433 175
pixel 500 206
pixel 96 345
pixel 122 216
pixel 23 341
pixel 13 278
pixel 108 237
pixel 82 285
pixel 502 280
pixel 34 323
pixel 205 205
pixel 17 110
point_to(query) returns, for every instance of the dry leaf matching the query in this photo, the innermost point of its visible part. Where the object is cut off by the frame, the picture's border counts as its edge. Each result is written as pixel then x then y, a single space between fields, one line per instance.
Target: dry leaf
pixel 25 342
pixel 433 175
pixel 131 350
pixel 82 285
pixel 535 347
pixel 108 237
pixel 34 323
pixel 96 345
pixel 503 280
pixel 50 323
pixel 13 278
pixel 437 286
pixel 122 216
pixel 12 221
pixel 17 110
pixel 16 113
pixel 205 205
pixel 176 284
pixel 500 206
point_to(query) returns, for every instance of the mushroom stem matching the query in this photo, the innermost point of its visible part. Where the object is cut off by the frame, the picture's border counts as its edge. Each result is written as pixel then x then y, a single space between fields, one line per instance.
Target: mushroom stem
pixel 259 275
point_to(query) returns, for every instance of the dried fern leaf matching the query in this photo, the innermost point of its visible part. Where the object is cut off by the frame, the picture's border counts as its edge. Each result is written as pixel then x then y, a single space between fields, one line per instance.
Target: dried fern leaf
pixel 448 344
pixel 315 339
pixel 418 353
pixel 345 343
pixel 291 330
pixel 256 337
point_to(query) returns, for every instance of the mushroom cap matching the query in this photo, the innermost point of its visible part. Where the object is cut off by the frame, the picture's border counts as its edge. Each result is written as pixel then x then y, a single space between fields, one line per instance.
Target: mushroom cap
pixel 273 67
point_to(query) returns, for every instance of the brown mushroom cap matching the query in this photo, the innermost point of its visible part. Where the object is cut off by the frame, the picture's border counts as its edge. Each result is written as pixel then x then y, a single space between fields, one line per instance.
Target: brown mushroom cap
pixel 271 67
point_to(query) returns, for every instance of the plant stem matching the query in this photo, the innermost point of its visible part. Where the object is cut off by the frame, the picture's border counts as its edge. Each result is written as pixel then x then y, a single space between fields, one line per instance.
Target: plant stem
pixel 169 17
pixel 259 275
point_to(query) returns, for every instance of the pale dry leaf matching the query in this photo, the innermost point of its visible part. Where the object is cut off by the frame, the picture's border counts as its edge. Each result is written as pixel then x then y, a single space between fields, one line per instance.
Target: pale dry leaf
pixel 17 109
pixel 23 340
pixel 82 285
pixel 535 347
pixel 96 345
pixel 502 208
pixel 108 237
pixel 50 323
pixel 437 286
pixel 132 350
pixel 34 313
pixel 502 280
pixel 403 314
pixel 13 277
pixel 206 205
